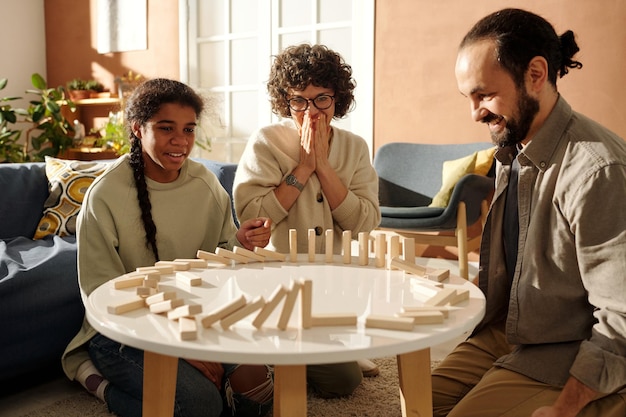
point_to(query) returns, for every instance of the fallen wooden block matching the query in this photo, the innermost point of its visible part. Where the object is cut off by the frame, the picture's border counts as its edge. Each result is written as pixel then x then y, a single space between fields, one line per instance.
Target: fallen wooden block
pixel 270 254
pixel 187 328
pixel 161 269
pixel 212 257
pixel 232 255
pixel 423 317
pixel 290 301
pixel 459 296
pixel 167 305
pixel 443 309
pixel 128 281
pixel 333 319
pixel 150 282
pixel 126 306
pixel 186 310
pixel 269 306
pixel 442 298
pixel 244 311
pixel 188 278
pixel 407 266
pixel 194 263
pixel 223 311
pixel 438 274
pixel 389 322
pixel 146 291
pixel 307 302
pixel 177 265
pixel 248 254
pixel 160 296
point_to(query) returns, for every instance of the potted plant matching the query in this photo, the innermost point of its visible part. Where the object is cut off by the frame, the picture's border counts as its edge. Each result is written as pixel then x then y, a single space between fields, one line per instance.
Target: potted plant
pixel 10 149
pixel 78 89
pixel 113 134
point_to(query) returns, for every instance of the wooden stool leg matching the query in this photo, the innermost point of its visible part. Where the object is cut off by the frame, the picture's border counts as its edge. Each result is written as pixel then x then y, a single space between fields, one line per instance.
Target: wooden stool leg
pixel 289 390
pixel 416 395
pixel 159 384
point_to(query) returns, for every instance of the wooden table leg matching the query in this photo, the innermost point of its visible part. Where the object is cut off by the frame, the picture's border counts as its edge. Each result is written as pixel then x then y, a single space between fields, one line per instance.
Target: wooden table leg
pixel 415 385
pixel 159 384
pixel 289 390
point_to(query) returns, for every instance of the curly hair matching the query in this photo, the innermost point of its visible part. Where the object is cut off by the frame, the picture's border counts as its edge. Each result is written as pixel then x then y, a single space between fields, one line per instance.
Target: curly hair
pixel 520 36
pixel 299 66
pixel 141 106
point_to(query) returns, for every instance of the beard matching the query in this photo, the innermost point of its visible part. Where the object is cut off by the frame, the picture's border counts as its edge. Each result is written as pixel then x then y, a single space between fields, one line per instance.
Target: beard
pixel 518 126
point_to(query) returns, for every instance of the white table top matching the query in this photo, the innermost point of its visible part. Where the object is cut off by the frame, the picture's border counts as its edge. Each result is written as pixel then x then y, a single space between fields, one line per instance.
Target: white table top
pixel 337 288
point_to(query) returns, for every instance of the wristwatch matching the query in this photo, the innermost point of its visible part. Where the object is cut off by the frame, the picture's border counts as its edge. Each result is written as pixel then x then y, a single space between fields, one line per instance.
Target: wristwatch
pixel 292 180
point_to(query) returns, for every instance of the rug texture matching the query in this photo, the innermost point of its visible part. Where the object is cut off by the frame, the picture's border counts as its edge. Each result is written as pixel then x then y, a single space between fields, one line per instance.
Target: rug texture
pixel 375 397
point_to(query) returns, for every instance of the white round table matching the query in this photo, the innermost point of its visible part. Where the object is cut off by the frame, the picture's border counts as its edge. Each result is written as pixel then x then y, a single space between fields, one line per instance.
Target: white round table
pixel 337 288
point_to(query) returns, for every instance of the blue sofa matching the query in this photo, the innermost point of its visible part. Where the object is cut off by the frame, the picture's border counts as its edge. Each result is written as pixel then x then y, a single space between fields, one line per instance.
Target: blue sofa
pixel 40 304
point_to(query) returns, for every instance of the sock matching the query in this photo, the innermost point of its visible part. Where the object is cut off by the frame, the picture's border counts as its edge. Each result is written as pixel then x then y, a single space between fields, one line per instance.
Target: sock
pixel 91 379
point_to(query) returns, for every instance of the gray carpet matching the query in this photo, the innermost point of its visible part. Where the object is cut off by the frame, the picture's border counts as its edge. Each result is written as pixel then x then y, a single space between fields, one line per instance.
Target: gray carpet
pixel 375 397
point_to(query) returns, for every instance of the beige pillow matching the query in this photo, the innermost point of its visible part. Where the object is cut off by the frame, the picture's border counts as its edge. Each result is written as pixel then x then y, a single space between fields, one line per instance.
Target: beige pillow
pixel 484 160
pixel 453 171
pixel 69 181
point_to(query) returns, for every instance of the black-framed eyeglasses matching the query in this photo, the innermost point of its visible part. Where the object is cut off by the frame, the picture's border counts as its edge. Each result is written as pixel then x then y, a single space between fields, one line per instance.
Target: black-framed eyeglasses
pixel 321 102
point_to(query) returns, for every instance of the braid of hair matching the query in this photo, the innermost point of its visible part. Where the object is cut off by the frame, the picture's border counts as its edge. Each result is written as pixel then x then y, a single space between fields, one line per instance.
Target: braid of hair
pixel 136 162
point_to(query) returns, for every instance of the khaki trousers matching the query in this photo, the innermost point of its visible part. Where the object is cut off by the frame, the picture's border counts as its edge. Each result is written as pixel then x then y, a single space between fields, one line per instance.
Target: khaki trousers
pixel 467 385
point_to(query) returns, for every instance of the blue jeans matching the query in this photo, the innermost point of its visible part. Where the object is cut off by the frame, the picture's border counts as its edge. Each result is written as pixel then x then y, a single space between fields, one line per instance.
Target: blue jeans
pixel 196 396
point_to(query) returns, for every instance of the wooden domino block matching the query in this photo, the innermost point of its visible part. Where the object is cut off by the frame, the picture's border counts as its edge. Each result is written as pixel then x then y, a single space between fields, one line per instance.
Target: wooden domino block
pixel 146 291
pixel 438 274
pixel 329 235
pixel 410 267
pixel 364 253
pixel 161 269
pixel 232 255
pixel 177 265
pixel 126 306
pixel 408 249
pixel 167 305
pixel 333 319
pixel 442 298
pixel 307 302
pixel 244 311
pixel 150 282
pixel 128 281
pixel 290 301
pixel 346 243
pixel 194 263
pixel 389 322
pixel 459 296
pixel 270 254
pixel 423 317
pixel 293 245
pixel 188 278
pixel 186 310
pixel 161 296
pixel 380 246
pixel 442 309
pixel 311 241
pixel 394 250
pixel 187 328
pixel 223 311
pixel 212 257
pixel 269 306
pixel 248 254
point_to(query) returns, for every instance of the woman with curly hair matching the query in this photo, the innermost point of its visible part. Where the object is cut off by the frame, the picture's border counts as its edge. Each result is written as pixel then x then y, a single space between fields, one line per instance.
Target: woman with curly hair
pixel 304 173
pixel 155 204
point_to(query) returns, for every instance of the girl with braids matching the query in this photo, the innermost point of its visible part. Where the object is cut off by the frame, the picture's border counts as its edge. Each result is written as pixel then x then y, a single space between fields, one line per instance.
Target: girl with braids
pixel 150 205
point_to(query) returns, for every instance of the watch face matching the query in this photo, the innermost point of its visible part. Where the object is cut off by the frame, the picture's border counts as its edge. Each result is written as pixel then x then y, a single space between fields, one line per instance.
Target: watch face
pixel 291 179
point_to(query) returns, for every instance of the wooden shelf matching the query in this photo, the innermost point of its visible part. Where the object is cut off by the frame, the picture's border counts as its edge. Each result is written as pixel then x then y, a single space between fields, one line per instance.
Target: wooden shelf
pixel 97 101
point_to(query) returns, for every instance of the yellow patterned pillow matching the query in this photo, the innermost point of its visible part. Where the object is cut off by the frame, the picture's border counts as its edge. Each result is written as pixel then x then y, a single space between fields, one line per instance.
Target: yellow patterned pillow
pixel 69 181
pixel 453 171
pixel 484 160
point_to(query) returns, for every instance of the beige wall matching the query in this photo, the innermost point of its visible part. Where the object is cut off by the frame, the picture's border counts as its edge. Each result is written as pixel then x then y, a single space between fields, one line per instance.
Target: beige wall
pixel 72 50
pixel 416 97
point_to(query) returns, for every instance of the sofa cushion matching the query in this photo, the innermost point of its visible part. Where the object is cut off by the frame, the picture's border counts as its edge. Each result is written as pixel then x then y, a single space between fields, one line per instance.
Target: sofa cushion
pixel 453 171
pixel 69 181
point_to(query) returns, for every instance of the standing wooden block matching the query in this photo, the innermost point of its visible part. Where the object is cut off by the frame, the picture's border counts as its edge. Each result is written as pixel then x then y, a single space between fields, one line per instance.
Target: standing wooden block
pixel 394 250
pixel 223 311
pixel 269 306
pixel 212 257
pixel 389 322
pixel 408 249
pixel 307 302
pixel 186 310
pixel 333 319
pixel 364 252
pixel 194 263
pixel 231 255
pixel 187 328
pixel 167 305
pixel 346 242
pixel 329 235
pixel 380 246
pixel 248 254
pixel 311 240
pixel 290 301
pixel 442 298
pixel 244 311
pixel 177 265
pixel 293 245
pixel 270 254
pixel 188 278
pixel 126 306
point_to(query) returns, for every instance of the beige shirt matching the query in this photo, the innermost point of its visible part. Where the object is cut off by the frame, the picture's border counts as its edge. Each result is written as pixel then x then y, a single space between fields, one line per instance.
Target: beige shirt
pixel 191 213
pixel 272 153
pixel 565 310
